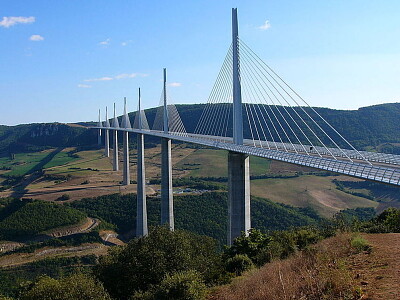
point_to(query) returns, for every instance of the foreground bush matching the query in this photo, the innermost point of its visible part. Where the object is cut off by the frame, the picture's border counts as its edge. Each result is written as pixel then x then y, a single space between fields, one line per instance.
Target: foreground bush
pixel 146 262
pixel 186 285
pixel 239 264
pixel 360 244
pixel 74 287
pixel 262 248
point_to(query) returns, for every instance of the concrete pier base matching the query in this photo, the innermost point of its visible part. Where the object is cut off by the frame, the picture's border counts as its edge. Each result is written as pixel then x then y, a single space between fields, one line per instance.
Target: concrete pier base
pixel 107 143
pixel 115 148
pixel 167 204
pixel 238 195
pixel 126 174
pixel 141 215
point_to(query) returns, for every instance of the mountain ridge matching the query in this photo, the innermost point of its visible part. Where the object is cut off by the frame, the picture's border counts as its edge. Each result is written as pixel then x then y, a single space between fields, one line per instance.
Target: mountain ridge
pixel 366 128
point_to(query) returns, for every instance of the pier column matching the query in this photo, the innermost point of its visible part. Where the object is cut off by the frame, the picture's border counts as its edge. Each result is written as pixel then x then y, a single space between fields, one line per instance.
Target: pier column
pixel 238 195
pixel 167 205
pixel 115 145
pixel 99 137
pixel 107 143
pixel 141 215
pixel 99 124
pixel 126 174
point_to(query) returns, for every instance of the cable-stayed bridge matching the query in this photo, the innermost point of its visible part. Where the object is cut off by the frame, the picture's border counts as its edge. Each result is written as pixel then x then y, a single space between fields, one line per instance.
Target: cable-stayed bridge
pixel 251 110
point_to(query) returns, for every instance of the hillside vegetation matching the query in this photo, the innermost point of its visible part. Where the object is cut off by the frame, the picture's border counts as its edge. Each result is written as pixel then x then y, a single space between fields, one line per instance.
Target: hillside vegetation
pixel 24 218
pixel 374 126
pixel 204 214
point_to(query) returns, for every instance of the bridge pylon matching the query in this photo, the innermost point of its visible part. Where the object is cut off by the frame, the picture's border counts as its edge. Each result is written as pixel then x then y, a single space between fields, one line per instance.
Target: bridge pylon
pixel 99 124
pixel 238 163
pixel 141 212
pixel 167 202
pixel 126 124
pixel 107 136
pixel 115 141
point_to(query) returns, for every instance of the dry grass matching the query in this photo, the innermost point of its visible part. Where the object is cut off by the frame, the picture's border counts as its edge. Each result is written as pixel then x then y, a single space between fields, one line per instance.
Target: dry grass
pixel 318 273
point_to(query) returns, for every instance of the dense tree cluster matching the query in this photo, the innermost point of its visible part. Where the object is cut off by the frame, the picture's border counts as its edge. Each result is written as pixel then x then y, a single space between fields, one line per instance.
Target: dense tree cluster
pixel 204 214
pixel 28 218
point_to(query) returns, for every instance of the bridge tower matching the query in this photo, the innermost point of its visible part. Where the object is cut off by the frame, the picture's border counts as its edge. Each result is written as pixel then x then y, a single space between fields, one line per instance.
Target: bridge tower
pixel 107 136
pixel 167 205
pixel 126 124
pixel 141 213
pixel 115 141
pixel 238 163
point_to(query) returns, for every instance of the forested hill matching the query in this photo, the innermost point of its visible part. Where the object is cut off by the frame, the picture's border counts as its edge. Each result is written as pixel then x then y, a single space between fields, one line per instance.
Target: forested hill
pixel 33 137
pixel 367 126
pixel 375 126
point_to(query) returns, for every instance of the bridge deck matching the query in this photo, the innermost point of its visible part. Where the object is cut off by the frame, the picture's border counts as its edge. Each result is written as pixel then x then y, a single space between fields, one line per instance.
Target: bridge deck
pixel 386 174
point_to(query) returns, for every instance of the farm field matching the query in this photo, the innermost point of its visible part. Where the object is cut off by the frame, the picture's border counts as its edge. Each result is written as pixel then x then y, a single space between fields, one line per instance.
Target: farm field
pixel 89 173
pixel 27 163
pixel 318 192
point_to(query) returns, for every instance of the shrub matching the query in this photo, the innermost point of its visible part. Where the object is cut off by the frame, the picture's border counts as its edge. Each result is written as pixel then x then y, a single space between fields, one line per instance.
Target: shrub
pixel 239 264
pixel 251 245
pixel 74 287
pixel 63 197
pixel 387 221
pixel 185 285
pixel 359 244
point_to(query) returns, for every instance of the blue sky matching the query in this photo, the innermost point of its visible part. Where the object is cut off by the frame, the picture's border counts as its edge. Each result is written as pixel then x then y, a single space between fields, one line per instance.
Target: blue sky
pixel 63 60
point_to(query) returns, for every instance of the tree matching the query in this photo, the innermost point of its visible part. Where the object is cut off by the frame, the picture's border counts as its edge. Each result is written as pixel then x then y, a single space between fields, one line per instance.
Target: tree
pixel 147 261
pixel 74 287
pixel 185 285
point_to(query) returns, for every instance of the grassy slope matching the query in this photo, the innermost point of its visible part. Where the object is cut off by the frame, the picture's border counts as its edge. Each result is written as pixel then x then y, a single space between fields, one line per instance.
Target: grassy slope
pixel 207 162
pixel 310 190
pixel 333 270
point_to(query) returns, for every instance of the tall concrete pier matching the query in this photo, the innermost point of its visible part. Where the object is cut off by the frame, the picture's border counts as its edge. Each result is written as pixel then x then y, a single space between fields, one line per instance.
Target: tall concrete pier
pixel 126 175
pixel 238 195
pixel 141 216
pixel 238 163
pixel 167 202
pixel 126 124
pixel 115 141
pixel 107 137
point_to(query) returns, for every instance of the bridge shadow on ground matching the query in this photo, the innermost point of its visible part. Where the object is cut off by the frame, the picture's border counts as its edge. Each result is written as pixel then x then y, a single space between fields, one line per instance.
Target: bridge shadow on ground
pixel 31 175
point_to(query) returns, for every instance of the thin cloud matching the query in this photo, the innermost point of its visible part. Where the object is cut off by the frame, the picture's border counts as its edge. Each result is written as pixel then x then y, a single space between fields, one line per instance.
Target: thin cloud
pixel 105 43
pixel 125 43
pixel 99 79
pixel 84 86
pixel 36 38
pixel 174 84
pixel 265 26
pixel 11 21
pixel 117 77
pixel 131 75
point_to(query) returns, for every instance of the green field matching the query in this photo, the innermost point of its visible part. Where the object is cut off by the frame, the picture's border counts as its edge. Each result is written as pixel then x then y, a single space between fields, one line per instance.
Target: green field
pixel 27 163
pixel 213 163
pixel 80 167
